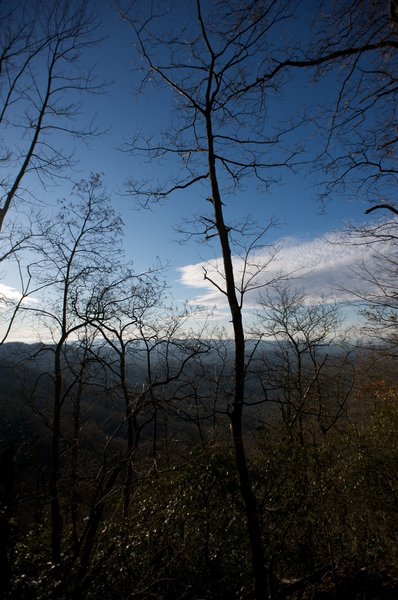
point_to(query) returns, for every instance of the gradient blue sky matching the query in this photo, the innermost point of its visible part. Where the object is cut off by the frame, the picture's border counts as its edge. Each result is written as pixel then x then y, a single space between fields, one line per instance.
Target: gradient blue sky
pixel 303 223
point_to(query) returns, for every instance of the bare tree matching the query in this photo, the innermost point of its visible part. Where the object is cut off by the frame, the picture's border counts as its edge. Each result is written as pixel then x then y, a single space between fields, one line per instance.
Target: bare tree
pixel 123 308
pixel 42 79
pixel 375 289
pixel 360 157
pixel 146 341
pixel 15 246
pixel 307 373
pixel 216 68
pixel 222 64
pixel 75 253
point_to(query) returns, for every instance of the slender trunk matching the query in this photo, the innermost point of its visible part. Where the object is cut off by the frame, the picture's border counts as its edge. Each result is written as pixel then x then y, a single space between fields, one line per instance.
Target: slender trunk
pixel 56 521
pixel 262 587
pixel 33 144
pixel 89 535
pixel 155 433
pixel 74 503
pixel 155 425
pixel 252 516
pixel 130 435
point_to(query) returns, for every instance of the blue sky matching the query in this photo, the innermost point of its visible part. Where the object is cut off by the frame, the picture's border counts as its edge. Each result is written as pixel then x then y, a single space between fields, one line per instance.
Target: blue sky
pixel 303 222
pixel 294 202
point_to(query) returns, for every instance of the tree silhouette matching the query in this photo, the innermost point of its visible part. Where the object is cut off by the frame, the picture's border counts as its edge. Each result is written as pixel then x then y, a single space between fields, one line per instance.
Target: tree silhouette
pixel 44 72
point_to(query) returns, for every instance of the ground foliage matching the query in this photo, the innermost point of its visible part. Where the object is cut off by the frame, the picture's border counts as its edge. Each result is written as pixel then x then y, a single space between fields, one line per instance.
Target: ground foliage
pixel 328 513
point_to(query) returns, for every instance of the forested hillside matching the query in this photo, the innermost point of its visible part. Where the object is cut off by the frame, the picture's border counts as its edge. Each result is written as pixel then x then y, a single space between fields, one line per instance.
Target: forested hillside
pixel 218 421
pixel 325 481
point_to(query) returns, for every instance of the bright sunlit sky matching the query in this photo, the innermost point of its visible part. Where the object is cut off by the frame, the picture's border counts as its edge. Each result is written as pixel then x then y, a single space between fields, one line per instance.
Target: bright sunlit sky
pixel 304 224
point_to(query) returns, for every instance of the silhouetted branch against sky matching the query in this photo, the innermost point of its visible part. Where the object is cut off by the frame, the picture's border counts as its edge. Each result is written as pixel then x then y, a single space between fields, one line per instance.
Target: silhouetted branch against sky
pixel 44 71
pixel 300 95
pixel 208 61
pixel 232 62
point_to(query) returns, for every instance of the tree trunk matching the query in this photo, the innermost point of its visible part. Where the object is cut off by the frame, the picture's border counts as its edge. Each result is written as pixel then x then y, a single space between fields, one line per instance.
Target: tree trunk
pixel 262 591
pixel 56 522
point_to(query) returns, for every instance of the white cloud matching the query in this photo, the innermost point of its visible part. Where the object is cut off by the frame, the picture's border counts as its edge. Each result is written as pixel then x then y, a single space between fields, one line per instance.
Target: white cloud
pixel 323 267
pixel 10 294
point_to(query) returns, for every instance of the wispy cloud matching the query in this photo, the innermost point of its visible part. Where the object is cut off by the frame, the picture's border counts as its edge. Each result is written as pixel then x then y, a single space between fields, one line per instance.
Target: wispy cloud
pixel 10 294
pixel 323 267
